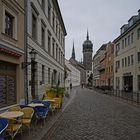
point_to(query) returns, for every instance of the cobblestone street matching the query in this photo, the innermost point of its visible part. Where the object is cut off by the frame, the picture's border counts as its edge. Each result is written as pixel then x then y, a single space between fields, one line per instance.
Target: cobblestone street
pixel 94 116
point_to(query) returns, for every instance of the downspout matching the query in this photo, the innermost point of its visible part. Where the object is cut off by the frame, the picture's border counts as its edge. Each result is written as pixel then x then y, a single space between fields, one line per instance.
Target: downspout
pixel 26 51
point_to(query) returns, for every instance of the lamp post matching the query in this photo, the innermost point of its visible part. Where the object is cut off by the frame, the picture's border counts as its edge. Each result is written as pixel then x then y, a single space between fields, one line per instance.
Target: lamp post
pixel 33 54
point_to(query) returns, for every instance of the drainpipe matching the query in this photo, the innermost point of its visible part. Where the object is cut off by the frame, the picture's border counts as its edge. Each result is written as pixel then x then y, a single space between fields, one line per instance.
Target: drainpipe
pixel 26 51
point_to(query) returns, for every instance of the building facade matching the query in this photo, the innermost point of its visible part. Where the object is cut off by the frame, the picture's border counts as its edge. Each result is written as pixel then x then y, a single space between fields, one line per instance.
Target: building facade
pixel 46 34
pixel 109 64
pixel 127 56
pixel 11 52
pixel 73 75
pixel 98 69
pixel 102 69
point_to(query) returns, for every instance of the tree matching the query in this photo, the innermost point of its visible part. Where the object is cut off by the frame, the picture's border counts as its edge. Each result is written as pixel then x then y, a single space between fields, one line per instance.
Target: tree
pixel 90 79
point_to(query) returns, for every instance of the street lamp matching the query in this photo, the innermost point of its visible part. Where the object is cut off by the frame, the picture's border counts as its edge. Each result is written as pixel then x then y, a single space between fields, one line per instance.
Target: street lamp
pixel 33 55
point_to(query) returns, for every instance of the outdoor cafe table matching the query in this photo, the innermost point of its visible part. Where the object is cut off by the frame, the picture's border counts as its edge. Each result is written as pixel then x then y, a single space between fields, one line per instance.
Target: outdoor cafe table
pixel 35 104
pixel 49 100
pixel 11 114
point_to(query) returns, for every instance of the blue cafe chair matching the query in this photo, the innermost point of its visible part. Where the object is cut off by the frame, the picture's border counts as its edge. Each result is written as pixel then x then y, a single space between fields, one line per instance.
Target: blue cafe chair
pixel 3 126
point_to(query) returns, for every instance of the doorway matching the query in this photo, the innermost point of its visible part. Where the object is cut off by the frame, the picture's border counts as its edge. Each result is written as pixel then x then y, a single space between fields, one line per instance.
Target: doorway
pixel 128 81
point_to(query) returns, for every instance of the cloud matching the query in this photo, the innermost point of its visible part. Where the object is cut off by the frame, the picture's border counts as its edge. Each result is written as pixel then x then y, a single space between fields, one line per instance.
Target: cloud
pixel 103 18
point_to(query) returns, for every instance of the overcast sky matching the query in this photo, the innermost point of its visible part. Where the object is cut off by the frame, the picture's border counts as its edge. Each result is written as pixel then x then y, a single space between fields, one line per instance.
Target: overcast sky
pixel 103 18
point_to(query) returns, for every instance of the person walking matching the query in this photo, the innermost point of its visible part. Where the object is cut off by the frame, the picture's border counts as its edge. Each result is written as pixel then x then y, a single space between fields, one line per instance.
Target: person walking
pixel 70 85
pixel 82 85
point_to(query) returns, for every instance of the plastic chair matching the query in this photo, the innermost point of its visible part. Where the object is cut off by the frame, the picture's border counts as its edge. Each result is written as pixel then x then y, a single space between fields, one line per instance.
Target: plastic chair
pixel 58 102
pixel 46 103
pixel 14 127
pixel 41 112
pixel 27 117
pixel 3 126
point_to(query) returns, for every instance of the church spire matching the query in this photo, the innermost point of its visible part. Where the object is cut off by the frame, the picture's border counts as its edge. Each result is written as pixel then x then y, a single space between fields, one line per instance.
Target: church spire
pixel 73 51
pixel 87 35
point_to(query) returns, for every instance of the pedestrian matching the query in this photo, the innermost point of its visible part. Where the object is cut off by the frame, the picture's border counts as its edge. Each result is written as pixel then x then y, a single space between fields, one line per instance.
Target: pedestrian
pixel 126 87
pixel 82 84
pixel 70 85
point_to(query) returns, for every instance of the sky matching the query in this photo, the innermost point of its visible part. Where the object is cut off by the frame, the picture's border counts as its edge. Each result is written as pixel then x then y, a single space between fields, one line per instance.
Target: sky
pixel 102 18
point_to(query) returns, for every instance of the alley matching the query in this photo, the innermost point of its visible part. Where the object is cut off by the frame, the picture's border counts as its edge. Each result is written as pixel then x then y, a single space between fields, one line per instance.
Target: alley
pixel 94 116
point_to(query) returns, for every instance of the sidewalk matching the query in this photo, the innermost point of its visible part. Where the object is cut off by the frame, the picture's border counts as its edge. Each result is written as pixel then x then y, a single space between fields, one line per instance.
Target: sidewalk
pixel 130 98
pixel 38 131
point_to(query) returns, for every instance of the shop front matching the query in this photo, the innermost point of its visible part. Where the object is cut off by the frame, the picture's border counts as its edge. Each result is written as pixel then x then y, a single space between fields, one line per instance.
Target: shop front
pixel 11 77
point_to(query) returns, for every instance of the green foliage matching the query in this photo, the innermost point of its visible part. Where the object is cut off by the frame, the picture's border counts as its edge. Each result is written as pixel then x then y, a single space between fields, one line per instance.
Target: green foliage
pixel 90 79
pixel 56 89
pixel 65 73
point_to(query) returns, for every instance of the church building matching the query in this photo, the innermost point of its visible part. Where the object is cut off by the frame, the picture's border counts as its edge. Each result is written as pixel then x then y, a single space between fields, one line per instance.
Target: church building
pixel 84 67
pixel 87 56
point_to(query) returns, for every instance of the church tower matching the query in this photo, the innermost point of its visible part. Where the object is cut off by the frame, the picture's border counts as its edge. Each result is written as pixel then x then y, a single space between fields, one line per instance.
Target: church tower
pixel 87 53
pixel 73 52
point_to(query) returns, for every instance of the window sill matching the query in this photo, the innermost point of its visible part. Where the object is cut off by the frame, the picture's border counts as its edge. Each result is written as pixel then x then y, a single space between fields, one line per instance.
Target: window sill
pixel 9 37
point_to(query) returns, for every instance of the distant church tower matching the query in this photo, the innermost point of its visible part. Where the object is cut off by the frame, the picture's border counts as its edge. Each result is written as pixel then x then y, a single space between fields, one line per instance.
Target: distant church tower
pixel 73 52
pixel 87 54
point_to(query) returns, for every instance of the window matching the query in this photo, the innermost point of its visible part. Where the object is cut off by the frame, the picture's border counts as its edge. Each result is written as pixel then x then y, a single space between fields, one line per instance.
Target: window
pixel 56 27
pixel 117 48
pixel 43 38
pixel 49 75
pixel 125 42
pixel 43 5
pixel 138 33
pixel 117 65
pixel 122 44
pixel 56 52
pixel 125 61
pixel 122 62
pixel 132 60
pixel 61 58
pixel 53 21
pixel 7 84
pixel 128 60
pixel 129 40
pixel 59 55
pixel 132 37
pixel 43 74
pixel 9 21
pixel 49 44
pixel 59 34
pixel 34 27
pixel 49 13
pixel 117 83
pixel 138 56
pixel 53 48
pixel 138 82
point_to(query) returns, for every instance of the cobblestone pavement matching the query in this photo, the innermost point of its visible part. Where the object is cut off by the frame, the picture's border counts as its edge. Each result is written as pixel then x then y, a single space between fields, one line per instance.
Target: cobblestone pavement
pixel 94 116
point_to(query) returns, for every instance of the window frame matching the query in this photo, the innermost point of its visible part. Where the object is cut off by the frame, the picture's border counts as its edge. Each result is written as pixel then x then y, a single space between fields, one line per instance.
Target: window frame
pixel 138 33
pixel 34 30
pixel 138 57
pixel 14 15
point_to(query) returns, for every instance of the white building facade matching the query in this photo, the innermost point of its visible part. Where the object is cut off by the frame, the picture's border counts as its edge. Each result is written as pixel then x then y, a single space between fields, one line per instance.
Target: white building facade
pixel 127 56
pixel 73 75
pixel 46 34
